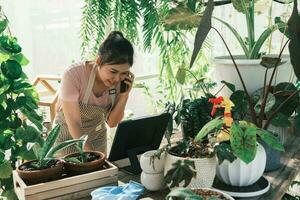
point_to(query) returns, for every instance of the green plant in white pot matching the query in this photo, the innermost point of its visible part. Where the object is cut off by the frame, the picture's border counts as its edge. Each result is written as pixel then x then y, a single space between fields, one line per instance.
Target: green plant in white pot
pixel 249 60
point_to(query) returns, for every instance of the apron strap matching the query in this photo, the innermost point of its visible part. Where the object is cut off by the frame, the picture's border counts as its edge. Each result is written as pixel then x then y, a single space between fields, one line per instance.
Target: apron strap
pixel 112 91
pixel 90 85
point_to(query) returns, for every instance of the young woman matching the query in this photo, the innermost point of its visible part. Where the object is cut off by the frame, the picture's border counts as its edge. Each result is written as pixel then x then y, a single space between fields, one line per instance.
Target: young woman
pixel 90 94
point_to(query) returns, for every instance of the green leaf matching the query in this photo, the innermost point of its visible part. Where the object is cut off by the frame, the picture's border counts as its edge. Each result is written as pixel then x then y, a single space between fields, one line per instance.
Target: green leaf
pixel 3 24
pixel 33 117
pixel 208 128
pixel 297 124
pixel 10 194
pixel 243 143
pixel 180 75
pixel 61 146
pixel 20 58
pixel 229 85
pixel 224 152
pixel 269 104
pixel 4 56
pixel 5 169
pixel 2 156
pixel 21 86
pixel 202 31
pixel 181 171
pixel 237 36
pixel 270 139
pixel 10 44
pixel 6 142
pixel 280 120
pixel 239 99
pixel 11 69
pixel 282 26
pixel 270 61
pixel 49 142
pixel 294 45
pixel 241 5
pixel 183 193
pixel 27 154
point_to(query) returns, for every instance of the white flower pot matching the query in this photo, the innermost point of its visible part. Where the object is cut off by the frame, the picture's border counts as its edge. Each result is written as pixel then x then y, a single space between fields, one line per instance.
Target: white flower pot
pixel 238 173
pixel 252 72
pixel 153 182
pixel 157 166
pixel 205 169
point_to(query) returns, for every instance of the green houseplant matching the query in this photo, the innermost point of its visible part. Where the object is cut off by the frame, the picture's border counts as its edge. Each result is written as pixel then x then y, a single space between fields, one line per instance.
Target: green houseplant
pixel 18 101
pixel 46 167
pixel 83 161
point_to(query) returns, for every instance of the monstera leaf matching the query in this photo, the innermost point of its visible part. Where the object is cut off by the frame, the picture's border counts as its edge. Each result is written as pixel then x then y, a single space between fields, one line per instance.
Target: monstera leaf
pixel 294 45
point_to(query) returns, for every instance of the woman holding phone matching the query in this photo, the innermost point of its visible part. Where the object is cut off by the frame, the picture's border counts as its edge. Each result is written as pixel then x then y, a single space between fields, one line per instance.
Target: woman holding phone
pixel 90 94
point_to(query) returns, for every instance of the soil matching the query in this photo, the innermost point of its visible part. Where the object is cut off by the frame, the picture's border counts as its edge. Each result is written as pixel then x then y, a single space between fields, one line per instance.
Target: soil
pixel 90 157
pixel 30 166
pixel 192 149
pixel 206 194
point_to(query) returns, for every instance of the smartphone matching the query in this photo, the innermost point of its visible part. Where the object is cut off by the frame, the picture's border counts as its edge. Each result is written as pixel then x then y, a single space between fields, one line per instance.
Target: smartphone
pixel 123 86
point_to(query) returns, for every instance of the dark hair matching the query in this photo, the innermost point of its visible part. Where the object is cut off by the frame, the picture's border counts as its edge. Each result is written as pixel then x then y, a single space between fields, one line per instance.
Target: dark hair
pixel 116 49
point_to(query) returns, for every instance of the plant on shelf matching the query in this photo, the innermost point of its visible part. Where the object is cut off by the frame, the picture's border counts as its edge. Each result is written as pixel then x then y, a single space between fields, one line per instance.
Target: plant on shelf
pixel 42 169
pixel 83 161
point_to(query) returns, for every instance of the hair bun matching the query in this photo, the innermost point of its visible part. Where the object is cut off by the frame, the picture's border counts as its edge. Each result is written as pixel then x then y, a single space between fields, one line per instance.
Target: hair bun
pixel 115 34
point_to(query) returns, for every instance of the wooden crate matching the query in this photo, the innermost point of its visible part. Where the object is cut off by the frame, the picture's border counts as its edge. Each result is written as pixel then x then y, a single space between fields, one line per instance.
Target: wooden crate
pixel 75 187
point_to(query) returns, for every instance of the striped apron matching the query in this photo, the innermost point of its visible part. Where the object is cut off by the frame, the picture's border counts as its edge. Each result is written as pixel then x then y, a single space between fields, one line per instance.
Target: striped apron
pixel 92 121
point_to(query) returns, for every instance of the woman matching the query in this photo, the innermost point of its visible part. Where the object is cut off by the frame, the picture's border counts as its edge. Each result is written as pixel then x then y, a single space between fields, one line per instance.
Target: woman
pixel 90 94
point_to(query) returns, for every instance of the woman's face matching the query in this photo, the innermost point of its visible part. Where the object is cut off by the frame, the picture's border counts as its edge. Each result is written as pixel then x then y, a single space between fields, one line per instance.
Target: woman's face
pixel 111 75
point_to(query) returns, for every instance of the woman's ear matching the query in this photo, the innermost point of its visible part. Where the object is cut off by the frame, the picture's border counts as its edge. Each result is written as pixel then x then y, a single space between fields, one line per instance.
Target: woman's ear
pixel 98 61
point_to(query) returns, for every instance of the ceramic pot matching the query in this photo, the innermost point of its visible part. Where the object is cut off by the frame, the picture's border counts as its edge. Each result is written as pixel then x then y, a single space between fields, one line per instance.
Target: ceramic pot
pixel 249 68
pixel 205 170
pixel 153 182
pixel 152 166
pixel 238 173
pixel 81 168
pixel 273 157
pixel 39 176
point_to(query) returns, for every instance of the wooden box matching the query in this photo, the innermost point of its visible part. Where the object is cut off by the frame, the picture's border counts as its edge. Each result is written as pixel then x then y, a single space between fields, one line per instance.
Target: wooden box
pixel 75 187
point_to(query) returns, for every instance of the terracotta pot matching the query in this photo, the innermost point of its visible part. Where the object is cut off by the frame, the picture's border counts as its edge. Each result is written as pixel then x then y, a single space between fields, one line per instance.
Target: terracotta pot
pixel 42 175
pixel 81 168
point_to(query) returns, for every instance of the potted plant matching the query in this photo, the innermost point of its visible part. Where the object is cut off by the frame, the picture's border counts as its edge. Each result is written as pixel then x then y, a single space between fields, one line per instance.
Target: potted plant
pixel 193 113
pixel 198 194
pixel 249 62
pixel 83 161
pixel 236 146
pixel 46 167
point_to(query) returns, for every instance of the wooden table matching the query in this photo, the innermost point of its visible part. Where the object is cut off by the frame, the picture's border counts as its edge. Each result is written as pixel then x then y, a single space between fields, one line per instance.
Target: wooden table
pixel 280 179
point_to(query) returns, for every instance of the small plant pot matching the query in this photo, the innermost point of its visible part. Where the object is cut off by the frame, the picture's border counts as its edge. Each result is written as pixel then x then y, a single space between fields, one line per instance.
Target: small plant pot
pixel 208 193
pixel 205 170
pixel 152 166
pixel 82 168
pixel 273 157
pixel 238 173
pixel 31 176
pixel 153 182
